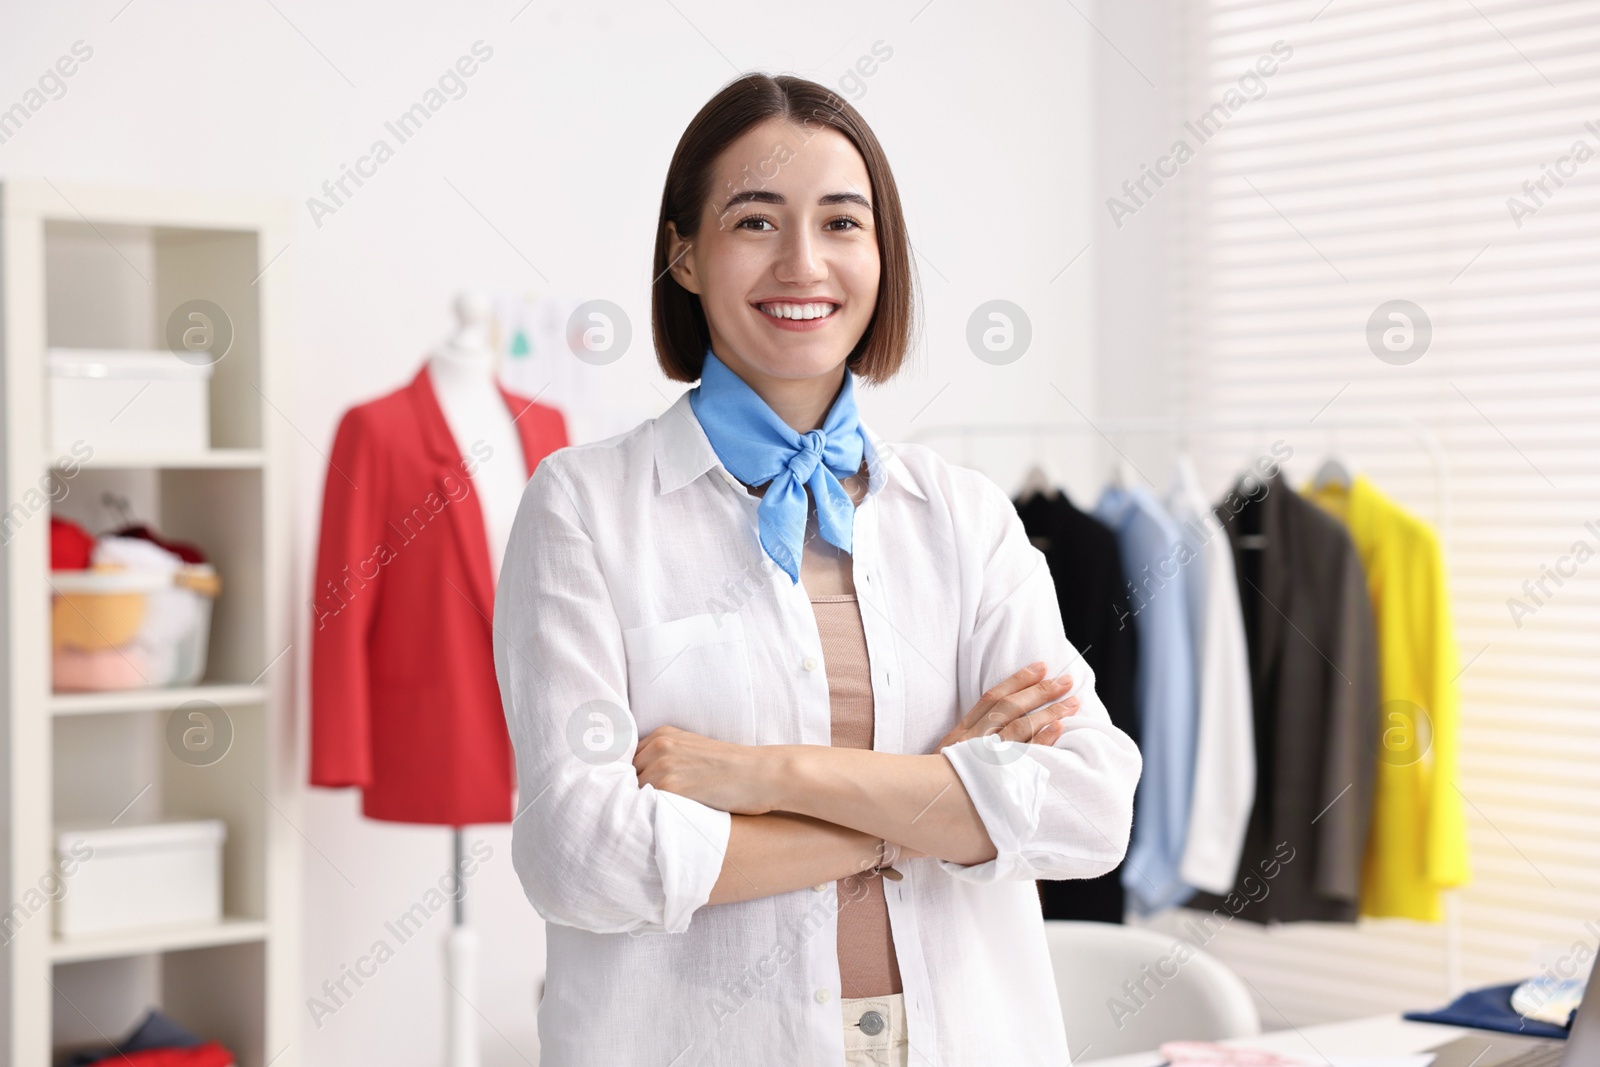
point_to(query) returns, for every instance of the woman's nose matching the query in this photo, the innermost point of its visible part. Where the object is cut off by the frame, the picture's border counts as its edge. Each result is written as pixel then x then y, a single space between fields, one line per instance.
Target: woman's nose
pixel 799 263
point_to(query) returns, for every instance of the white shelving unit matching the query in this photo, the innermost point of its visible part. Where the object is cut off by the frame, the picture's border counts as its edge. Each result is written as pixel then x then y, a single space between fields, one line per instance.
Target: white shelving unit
pixel 89 267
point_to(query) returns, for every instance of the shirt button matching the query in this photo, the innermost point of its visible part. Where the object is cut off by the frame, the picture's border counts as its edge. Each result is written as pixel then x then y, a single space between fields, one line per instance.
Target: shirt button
pixel 822 996
pixel 820 887
pixel 809 663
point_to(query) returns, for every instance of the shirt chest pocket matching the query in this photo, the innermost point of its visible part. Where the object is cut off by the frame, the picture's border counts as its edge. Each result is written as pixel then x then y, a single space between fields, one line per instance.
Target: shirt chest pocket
pixel 692 673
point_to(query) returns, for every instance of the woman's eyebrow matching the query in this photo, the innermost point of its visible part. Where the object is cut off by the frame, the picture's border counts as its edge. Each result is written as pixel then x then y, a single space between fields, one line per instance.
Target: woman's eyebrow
pixel 845 198
pixel 767 196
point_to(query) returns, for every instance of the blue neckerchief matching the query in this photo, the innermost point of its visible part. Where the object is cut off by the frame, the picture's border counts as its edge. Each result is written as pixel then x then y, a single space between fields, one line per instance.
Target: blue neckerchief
pixel 758 447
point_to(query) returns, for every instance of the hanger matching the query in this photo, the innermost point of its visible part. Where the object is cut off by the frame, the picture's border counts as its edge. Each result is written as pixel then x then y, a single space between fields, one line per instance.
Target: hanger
pixel 1036 483
pixel 1184 473
pixel 1333 471
pixel 1123 476
pixel 118 505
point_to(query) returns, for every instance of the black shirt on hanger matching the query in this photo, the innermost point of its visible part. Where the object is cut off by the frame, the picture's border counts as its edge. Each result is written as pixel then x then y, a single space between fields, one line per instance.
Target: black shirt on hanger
pixel 1086 567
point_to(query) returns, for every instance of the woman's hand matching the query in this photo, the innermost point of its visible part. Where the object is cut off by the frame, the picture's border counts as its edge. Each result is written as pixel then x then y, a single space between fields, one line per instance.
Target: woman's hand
pixel 719 774
pixel 1004 710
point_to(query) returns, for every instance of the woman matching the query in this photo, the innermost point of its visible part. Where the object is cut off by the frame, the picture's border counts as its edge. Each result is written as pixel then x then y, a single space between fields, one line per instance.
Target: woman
pixel 795 719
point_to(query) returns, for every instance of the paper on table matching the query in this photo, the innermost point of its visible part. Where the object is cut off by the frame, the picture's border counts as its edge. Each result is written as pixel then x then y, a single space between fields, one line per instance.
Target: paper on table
pixel 1210 1054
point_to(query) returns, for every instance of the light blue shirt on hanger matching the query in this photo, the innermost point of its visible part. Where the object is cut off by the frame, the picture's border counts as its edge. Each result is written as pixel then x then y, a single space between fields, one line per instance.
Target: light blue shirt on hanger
pixel 1164 692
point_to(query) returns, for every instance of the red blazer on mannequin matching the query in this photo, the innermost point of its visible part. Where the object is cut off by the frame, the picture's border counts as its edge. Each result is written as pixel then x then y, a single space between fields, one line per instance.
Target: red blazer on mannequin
pixel 404 701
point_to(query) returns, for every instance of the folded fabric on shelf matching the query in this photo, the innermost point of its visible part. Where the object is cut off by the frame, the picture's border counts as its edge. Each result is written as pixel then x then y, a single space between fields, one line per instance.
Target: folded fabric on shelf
pixel 210 1054
pixel 70 545
pixel 157 1041
pixel 185 551
pixel 79 670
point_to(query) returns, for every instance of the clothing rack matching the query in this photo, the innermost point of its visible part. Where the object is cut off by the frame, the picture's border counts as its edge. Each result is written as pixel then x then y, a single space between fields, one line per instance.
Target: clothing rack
pixel 1182 428
pixel 1425 439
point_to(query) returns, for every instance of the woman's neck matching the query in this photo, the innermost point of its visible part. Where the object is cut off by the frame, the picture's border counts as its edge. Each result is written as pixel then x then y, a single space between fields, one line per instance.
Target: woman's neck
pixel 802 403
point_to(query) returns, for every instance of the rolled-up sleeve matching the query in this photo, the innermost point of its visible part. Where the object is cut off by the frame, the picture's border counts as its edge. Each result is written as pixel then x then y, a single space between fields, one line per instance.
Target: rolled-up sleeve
pixel 593 848
pixel 1063 810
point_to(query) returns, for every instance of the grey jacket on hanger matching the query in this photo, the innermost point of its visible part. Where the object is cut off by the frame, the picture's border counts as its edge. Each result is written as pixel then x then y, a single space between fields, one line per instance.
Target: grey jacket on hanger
pixel 1314 673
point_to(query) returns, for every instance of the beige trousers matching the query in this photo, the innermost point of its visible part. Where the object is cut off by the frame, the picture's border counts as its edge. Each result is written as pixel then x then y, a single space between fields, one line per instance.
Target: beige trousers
pixel 875 1031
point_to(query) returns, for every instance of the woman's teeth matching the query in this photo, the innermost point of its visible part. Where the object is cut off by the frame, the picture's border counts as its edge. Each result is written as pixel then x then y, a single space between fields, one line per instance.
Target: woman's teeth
pixel 798 311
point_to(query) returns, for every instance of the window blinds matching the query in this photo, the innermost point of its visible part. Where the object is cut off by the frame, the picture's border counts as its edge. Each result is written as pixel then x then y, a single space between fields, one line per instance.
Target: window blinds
pixel 1445 154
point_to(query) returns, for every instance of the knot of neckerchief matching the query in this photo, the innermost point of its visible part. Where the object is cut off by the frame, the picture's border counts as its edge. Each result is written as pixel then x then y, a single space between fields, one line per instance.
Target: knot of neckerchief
pixel 758 447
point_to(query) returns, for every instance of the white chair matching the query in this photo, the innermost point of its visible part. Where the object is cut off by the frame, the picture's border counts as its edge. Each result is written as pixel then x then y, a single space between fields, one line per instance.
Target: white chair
pixel 1125 989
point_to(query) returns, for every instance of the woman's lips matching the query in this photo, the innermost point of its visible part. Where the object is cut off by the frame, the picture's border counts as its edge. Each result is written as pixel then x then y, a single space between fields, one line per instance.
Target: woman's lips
pixel 798 325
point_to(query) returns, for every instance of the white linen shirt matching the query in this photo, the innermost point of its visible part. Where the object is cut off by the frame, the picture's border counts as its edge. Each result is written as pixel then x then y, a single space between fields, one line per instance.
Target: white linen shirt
pixel 1225 733
pixel 635 592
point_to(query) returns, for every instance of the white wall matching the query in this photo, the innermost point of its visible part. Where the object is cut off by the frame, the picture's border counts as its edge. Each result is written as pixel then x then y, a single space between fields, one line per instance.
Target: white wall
pixel 546 176
pixel 1137 86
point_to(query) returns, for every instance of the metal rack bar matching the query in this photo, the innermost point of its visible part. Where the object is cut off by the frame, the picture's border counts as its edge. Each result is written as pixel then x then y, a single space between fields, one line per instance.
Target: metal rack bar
pixel 1425 438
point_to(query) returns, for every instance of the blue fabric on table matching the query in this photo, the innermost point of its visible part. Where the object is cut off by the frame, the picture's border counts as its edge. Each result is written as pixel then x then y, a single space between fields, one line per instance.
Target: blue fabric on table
pixel 1488 1009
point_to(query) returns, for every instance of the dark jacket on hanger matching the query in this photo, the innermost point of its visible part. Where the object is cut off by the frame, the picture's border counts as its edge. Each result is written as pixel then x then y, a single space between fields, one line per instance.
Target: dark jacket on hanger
pixel 1087 569
pixel 1314 669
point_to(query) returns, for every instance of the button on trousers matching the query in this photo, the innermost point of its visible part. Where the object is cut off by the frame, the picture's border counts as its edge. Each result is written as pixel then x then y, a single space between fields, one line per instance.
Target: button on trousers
pixel 875 1031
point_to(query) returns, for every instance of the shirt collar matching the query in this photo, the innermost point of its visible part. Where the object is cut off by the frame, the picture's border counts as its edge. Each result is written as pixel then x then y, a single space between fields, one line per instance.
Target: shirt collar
pixel 683 453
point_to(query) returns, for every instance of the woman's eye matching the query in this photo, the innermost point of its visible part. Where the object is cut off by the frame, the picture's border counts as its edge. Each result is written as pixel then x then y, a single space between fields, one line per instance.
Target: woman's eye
pixel 850 222
pixel 754 219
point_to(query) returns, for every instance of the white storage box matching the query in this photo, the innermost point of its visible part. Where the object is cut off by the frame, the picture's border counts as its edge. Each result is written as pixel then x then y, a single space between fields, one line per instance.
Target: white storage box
pixel 126 400
pixel 127 877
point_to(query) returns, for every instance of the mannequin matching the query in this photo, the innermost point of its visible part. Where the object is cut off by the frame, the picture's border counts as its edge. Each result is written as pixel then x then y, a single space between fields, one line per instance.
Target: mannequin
pixel 462 373
pixel 407 563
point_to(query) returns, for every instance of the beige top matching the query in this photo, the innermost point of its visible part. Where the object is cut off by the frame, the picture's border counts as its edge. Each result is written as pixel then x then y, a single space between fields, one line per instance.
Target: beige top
pixel 867 963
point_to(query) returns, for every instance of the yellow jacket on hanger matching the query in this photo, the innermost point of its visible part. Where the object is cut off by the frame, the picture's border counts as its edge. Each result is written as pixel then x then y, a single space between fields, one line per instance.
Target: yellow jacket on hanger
pixel 1418 841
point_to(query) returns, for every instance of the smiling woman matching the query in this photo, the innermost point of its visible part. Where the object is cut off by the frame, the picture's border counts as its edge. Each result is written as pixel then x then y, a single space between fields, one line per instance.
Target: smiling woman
pixel 739 250
pixel 809 816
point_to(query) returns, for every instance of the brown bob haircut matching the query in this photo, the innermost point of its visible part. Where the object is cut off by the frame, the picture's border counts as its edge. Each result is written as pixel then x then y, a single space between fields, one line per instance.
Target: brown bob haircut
pixel 677 320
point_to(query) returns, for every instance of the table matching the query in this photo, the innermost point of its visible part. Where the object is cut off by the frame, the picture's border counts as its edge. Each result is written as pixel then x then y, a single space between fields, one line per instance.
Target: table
pixel 1373 1036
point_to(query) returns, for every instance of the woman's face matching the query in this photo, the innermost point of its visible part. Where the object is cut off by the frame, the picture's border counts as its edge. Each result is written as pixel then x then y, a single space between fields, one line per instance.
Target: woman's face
pixel 786 260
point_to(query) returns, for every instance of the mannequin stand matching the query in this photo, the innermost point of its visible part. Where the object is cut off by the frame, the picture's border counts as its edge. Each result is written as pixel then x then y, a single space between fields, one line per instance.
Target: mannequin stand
pixel 463 376
pixel 461 1024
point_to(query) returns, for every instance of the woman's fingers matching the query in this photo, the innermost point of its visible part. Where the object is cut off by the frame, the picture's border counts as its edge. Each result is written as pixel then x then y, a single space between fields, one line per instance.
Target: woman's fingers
pixel 1038 726
pixel 1005 708
pixel 1042 726
pixel 1009 708
pixel 1002 689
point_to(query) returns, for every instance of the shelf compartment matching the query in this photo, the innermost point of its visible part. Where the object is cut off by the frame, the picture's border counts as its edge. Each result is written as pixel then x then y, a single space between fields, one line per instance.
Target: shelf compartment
pixel 230 931
pixel 111 285
pixel 221 511
pixel 217 991
pixel 123 769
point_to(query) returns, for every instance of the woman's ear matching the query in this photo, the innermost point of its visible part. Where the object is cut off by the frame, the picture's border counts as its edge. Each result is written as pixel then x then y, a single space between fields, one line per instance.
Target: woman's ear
pixel 680 259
